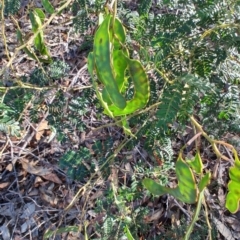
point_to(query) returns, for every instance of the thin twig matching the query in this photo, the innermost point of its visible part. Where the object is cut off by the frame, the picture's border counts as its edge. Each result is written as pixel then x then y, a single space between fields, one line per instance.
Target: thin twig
pixel 3 31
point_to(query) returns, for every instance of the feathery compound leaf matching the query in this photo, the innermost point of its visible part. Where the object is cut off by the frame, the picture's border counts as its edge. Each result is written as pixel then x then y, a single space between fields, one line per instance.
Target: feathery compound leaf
pixel 169 108
pixel 73 161
pixel 144 7
pixel 7 124
pixel 11 6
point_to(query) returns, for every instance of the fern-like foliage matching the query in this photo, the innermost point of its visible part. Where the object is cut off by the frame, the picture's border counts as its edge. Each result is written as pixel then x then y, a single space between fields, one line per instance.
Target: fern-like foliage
pixel 168 109
pixel 11 7
pixel 144 7
pixel 58 69
pixel 199 233
pixel 114 223
pixel 39 78
pixel 192 39
pixel 81 10
pixel 74 163
pixel 7 124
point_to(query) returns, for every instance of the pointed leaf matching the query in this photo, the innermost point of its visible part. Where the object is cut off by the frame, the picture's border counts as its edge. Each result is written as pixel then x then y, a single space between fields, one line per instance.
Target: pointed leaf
pixel 155 188
pixel 141 89
pixel 40 14
pixel 186 191
pixel 128 233
pixel 38 42
pixel 233 196
pixel 48 6
pixel 196 164
pixel 205 180
pixel 103 62
pixel 34 22
pixel 186 181
pixel 91 64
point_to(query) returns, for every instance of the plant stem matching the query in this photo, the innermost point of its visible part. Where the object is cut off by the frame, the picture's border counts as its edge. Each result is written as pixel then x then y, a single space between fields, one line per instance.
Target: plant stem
pixel 195 217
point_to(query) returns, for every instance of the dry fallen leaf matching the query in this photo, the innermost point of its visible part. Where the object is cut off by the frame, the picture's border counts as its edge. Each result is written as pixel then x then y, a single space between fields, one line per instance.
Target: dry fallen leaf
pixel 3 185
pixel 34 192
pixel 223 229
pixel 38 181
pixel 52 177
pixel 5 233
pixel 221 196
pixel 234 223
pixel 9 167
pixel 155 216
pixel 48 196
pixel 29 209
pixel 42 126
pixel 31 167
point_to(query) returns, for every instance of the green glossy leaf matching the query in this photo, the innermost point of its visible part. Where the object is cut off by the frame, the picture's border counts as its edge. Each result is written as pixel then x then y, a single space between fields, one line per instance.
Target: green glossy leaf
pixel 186 191
pixel 205 180
pixel 120 65
pixel 90 63
pixel 141 89
pixel 186 181
pixel 37 18
pixel 91 66
pixel 48 6
pixel 106 97
pixel 196 164
pixel 117 34
pixel 233 196
pixel 128 233
pixel 38 42
pixel 111 60
pixel 102 56
pixel 40 14
pixel 155 188
pixel 232 202
pixel 35 21
pixel 28 52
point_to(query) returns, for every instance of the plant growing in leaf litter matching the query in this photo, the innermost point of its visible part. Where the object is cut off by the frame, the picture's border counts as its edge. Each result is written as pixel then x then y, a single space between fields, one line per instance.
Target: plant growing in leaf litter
pixel 182 67
pixel 110 59
pixel 187 190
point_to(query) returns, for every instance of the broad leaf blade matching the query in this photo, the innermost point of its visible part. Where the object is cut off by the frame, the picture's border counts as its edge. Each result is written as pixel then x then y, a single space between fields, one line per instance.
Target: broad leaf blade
pixel 40 14
pixel 48 6
pixel 186 182
pixel 233 196
pixel 196 164
pixel 204 181
pixel 154 188
pixel 186 191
